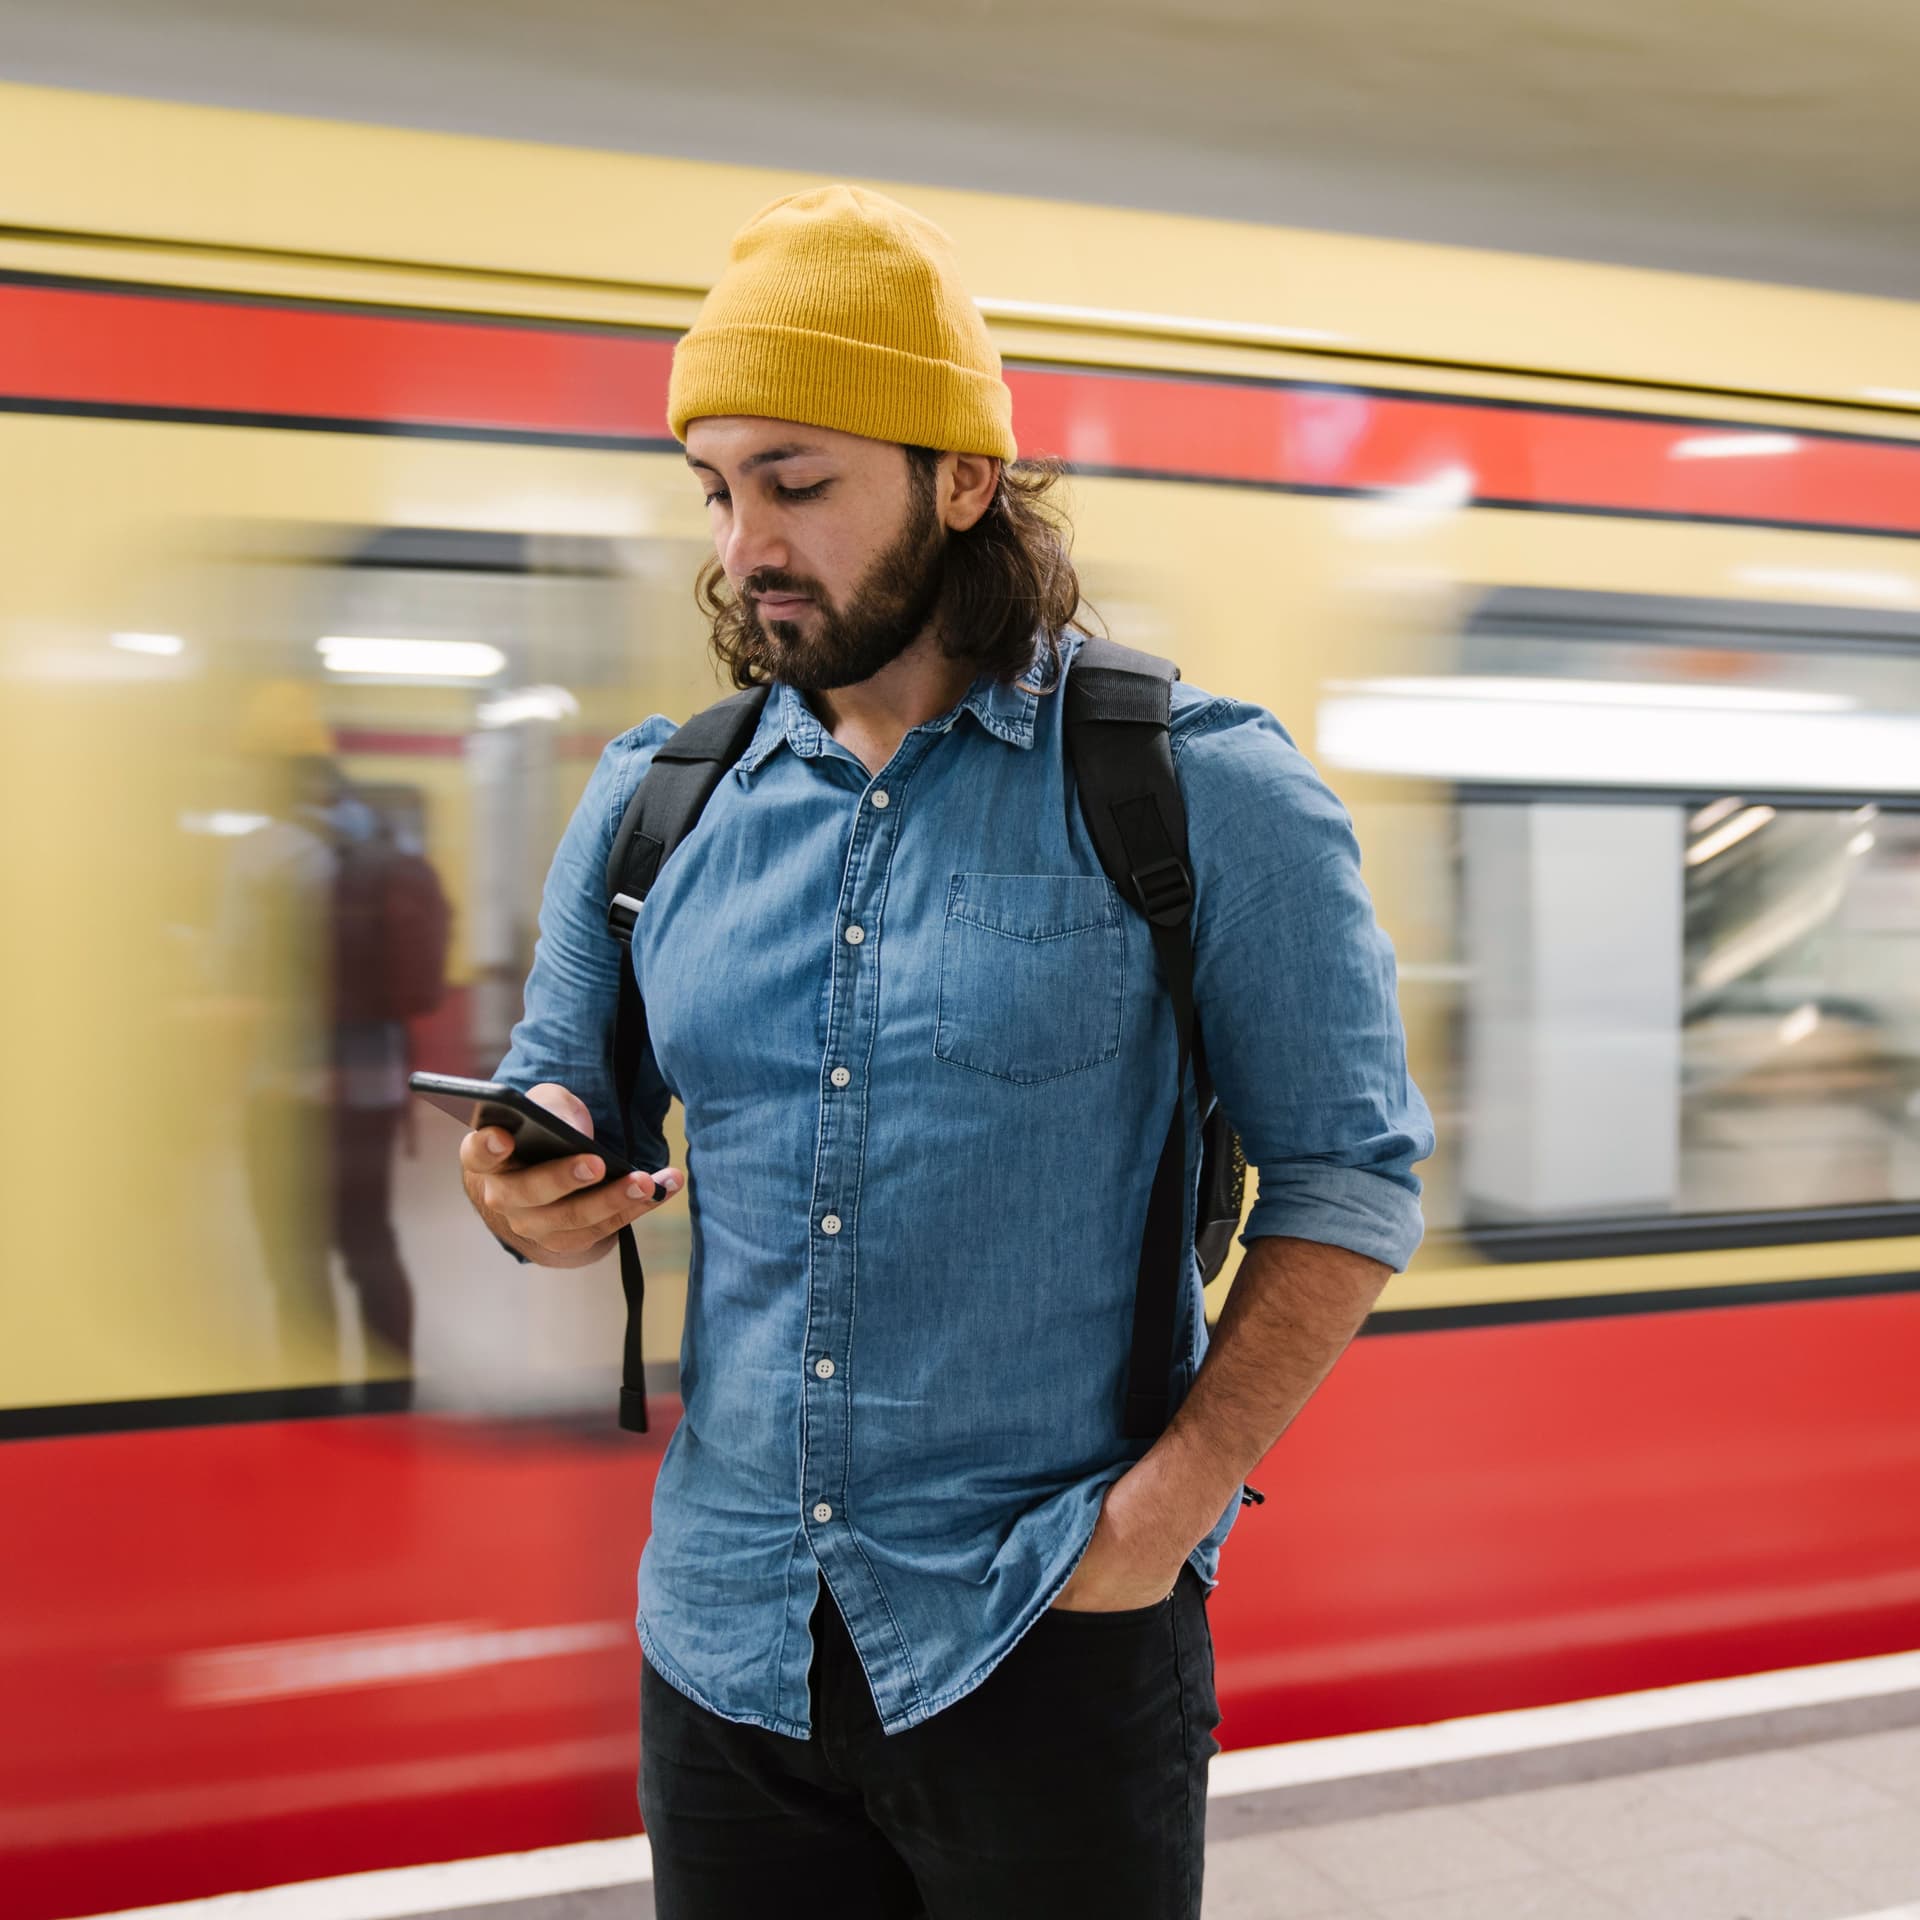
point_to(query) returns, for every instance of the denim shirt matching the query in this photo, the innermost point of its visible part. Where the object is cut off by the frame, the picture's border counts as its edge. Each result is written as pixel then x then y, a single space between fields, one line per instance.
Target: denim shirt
pixel 926 1057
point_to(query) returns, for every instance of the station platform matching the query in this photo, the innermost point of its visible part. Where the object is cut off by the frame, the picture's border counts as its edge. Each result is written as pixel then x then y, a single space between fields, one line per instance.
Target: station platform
pixel 1753 1820
pixel 1790 1796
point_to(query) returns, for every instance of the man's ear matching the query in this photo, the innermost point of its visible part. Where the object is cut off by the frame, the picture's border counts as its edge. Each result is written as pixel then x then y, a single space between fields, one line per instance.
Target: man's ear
pixel 976 478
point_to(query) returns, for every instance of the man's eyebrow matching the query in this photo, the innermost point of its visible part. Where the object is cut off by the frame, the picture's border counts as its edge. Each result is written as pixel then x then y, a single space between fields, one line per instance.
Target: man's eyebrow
pixel 766 458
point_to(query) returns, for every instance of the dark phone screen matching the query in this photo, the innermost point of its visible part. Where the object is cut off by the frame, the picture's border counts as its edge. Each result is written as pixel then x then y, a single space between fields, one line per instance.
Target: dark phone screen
pixel 537 1134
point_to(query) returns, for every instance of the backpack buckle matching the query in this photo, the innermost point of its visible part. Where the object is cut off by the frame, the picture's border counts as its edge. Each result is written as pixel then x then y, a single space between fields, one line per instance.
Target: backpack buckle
pixel 1165 891
pixel 623 915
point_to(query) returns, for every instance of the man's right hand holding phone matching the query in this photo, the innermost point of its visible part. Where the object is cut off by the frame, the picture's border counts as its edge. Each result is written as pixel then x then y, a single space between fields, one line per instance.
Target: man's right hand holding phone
pixel 559 1213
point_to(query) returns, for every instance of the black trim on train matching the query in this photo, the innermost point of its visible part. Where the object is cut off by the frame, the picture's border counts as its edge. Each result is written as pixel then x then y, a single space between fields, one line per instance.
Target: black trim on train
pixel 1691 620
pixel 1638 1300
pixel 395 549
pixel 342 1400
pixel 1515 793
pixel 205 1410
pixel 1610 1237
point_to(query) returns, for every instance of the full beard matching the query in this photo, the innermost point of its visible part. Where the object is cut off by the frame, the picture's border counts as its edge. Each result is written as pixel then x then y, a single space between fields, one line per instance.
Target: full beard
pixel 884 615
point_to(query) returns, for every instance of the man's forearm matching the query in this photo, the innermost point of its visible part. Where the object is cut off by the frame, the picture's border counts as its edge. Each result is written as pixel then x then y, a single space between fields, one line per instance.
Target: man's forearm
pixel 1294 1306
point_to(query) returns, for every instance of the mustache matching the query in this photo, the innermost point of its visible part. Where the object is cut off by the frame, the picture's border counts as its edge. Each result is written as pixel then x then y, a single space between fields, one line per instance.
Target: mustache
pixel 772 580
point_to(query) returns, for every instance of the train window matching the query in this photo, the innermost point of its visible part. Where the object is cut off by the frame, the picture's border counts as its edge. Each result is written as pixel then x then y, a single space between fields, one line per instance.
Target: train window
pixel 1682 1001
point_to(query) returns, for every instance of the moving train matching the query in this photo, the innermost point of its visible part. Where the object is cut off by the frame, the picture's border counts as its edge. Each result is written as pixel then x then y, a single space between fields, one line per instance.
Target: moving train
pixel 340 521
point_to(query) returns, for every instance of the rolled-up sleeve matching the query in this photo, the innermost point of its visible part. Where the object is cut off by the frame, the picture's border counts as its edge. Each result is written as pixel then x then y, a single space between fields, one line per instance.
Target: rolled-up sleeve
pixel 1294 987
pixel 565 1035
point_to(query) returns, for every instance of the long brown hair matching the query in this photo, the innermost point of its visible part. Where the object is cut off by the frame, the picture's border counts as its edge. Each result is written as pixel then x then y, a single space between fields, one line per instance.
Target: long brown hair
pixel 1006 581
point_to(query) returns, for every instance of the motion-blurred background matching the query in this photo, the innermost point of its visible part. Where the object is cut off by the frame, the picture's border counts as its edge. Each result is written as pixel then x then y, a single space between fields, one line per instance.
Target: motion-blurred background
pixel 1523 402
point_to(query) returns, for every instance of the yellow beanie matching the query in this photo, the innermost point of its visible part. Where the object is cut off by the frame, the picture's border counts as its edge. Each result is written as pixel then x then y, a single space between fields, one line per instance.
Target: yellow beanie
pixel 841 308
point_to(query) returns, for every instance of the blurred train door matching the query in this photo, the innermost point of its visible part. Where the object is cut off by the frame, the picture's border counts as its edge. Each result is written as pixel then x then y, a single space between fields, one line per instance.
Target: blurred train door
pixel 458 687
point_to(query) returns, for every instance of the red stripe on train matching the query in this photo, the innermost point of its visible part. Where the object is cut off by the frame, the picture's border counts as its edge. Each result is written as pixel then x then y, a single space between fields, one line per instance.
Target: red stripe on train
pixel 392 743
pixel 1454 451
pixel 216 355
pixel 1462 1521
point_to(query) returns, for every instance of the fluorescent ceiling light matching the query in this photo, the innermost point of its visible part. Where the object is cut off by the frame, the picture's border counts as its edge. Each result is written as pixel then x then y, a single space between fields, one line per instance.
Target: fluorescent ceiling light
pixel 1846 582
pixel 1799 1023
pixel 1157 322
pixel 163 644
pixel 1546 691
pixel 410 659
pixel 1734 446
pixel 1713 813
pixel 528 703
pixel 229 826
pixel 1728 834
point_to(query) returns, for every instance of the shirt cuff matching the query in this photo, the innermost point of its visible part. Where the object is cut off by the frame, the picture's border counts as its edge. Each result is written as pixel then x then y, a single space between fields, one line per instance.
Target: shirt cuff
pixel 515 1251
pixel 1351 1207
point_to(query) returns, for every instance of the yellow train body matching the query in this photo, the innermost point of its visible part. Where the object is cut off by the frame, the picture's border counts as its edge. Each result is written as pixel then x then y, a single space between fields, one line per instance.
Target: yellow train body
pixel 133 1261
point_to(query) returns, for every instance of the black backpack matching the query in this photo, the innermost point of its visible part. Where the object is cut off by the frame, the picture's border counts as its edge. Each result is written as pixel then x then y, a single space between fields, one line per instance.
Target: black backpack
pixel 1118 703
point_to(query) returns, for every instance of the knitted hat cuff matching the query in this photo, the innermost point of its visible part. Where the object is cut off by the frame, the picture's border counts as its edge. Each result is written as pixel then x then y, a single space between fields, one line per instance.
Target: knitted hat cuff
pixel 822 380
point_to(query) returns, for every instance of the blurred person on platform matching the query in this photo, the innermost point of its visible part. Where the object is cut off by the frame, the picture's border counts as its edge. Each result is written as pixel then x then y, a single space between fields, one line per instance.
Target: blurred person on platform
pixel 326 1076
pixel 925 1629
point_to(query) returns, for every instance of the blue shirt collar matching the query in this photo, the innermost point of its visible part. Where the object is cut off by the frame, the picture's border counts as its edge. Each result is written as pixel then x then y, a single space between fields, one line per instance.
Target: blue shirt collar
pixel 1007 710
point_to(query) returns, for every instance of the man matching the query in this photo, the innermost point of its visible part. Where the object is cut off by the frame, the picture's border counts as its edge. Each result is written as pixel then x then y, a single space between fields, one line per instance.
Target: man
pixel 923 1631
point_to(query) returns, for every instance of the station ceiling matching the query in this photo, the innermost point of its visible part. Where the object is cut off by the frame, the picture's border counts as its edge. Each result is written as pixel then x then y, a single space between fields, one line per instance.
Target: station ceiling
pixel 1762 139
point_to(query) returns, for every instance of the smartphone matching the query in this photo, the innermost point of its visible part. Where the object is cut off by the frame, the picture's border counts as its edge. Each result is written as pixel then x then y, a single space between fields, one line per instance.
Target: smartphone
pixel 537 1134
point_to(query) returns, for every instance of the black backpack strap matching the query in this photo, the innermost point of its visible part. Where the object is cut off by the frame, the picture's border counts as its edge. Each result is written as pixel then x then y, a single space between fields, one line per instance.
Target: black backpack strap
pixel 664 809
pixel 1118 705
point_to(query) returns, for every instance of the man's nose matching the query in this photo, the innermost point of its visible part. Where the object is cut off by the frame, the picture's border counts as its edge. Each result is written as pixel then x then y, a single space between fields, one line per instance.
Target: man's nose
pixel 753 541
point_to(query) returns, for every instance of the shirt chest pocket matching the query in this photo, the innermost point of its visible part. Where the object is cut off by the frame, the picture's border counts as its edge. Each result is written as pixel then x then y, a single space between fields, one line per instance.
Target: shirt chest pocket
pixel 1031 974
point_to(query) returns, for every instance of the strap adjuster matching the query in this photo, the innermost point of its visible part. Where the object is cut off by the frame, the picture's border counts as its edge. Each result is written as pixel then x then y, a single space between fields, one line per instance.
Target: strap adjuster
pixel 1165 891
pixel 623 915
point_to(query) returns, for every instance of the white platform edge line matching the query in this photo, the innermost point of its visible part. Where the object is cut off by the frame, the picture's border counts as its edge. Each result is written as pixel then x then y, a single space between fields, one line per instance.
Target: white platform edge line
pixel 394 1893
pixel 397 1893
pixel 1528 1729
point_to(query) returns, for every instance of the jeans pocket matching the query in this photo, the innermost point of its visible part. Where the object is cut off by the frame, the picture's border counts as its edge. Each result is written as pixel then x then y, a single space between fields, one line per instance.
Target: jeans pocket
pixel 1030 975
pixel 1111 1616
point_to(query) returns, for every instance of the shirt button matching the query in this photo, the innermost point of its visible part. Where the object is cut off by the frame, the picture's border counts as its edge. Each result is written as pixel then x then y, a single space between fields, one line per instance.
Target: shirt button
pixel 839 1076
pixel 855 935
pixel 823 1513
pixel 880 798
pixel 823 1367
pixel 831 1224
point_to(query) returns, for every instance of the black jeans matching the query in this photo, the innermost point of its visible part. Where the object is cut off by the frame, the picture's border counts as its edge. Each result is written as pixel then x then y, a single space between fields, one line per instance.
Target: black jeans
pixel 1072 1780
